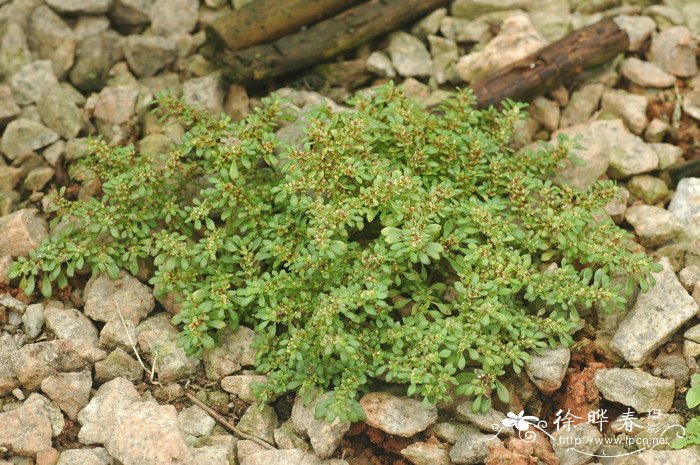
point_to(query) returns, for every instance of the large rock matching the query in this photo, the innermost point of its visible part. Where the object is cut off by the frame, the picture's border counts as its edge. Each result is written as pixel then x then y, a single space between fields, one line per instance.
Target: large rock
pixel 547 371
pixel 21 232
pixel 673 49
pixel 100 416
pixel 472 447
pixel 148 434
pixel 70 391
pixel 409 56
pixel 23 136
pixel 28 430
pixel 654 226
pixel 685 206
pixel 397 415
pixel 637 389
pixel 324 436
pixel 106 298
pixel 656 316
pixel 35 362
pixel 518 38
pixel 14 51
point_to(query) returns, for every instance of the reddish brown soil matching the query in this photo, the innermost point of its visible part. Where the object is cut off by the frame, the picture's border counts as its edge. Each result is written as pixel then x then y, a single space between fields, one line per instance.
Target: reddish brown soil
pixel 364 445
pixel 578 393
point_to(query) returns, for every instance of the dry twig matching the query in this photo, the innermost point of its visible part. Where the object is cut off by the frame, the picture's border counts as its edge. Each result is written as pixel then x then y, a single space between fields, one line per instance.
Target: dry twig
pixel 225 423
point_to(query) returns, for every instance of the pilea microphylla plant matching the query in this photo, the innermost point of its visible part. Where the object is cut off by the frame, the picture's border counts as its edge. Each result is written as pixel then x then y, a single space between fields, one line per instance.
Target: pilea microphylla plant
pixel 390 244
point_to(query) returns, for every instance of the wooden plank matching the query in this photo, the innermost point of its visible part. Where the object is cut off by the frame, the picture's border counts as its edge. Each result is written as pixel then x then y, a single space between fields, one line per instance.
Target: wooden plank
pixel 322 41
pixel 267 20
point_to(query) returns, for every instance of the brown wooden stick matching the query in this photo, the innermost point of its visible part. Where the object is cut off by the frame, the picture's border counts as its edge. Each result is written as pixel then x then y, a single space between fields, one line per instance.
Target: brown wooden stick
pixel 322 41
pixel 226 424
pixel 267 20
pixel 552 65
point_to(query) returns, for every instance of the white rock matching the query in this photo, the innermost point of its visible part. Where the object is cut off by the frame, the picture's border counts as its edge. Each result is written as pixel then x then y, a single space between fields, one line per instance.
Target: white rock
pixel 673 49
pixel 653 225
pixel 631 108
pixel 645 74
pixel 518 38
pixel 397 415
pixel 380 64
pixel 638 29
pixel 685 205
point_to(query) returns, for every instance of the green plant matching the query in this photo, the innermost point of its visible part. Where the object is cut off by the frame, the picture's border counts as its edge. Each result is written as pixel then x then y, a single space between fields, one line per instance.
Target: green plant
pixel 692 428
pixel 393 244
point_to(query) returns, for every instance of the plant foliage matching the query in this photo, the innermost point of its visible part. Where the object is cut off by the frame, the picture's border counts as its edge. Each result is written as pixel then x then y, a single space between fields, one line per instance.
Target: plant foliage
pixel 392 243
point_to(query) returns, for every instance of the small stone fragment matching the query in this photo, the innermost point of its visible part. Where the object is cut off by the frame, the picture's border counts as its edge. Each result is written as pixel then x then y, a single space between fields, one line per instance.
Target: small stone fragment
pixel 205 93
pixel 653 226
pixel 32 80
pixel 118 364
pixel 673 49
pixel 169 17
pixel 240 385
pixel 638 29
pixel 585 436
pixel 649 189
pixel 582 104
pixel 380 64
pixel 195 421
pixel 630 107
pixel 517 39
pixel 147 55
pixel 324 436
pixel 70 391
pixel 636 389
pixel 23 136
pixel 21 232
pixel 547 371
pixel 426 453
pixel 645 74
pixel 105 298
pixel 88 7
pixel 472 447
pixel 409 56
pixel 69 323
pixel 116 105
